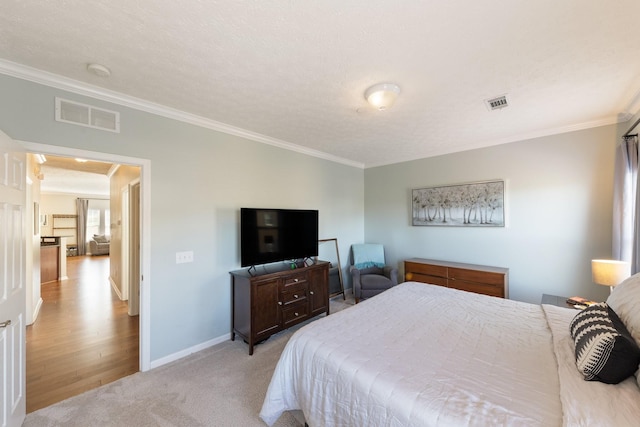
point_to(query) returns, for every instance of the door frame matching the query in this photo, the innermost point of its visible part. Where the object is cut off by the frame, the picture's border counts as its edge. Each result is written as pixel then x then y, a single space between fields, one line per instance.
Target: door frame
pixel 134 246
pixel 124 259
pixel 145 228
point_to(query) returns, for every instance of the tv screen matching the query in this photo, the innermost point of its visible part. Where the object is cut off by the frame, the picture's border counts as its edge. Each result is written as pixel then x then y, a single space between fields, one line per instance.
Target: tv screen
pixel 271 235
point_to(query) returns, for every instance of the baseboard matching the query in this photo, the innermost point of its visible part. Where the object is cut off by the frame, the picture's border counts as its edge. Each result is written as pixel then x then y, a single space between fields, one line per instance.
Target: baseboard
pixel 115 288
pixel 183 353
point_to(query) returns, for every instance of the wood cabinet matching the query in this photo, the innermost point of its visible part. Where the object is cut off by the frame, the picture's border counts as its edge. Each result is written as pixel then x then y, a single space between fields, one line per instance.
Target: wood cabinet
pixel 270 301
pixel 480 279
pixel 49 263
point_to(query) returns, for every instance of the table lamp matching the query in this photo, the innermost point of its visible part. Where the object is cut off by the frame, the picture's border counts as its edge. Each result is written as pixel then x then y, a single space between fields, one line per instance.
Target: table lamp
pixel 608 272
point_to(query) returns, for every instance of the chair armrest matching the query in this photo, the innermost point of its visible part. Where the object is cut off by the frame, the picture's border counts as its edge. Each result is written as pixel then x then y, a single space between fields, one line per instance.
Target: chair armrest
pixel 355 279
pixel 392 274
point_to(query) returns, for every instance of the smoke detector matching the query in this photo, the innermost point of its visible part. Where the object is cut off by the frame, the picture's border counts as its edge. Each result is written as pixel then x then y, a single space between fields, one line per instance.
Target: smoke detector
pixel 99 70
pixel 497 103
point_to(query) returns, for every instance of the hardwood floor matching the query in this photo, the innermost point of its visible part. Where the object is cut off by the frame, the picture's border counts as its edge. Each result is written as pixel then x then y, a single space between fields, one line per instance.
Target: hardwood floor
pixel 83 336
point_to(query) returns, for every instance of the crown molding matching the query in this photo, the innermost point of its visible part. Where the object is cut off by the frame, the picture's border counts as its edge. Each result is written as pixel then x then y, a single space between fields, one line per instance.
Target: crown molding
pixel 46 78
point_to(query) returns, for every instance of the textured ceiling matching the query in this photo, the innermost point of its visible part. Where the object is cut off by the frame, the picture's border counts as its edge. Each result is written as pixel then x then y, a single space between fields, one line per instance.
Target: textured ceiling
pixel 296 72
pixel 66 175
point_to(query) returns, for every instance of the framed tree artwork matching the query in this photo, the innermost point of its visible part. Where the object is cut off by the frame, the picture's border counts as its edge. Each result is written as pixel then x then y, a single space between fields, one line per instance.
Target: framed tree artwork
pixel 476 204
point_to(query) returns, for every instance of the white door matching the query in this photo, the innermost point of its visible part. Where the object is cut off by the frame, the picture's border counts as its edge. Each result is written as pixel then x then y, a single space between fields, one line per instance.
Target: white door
pixel 12 283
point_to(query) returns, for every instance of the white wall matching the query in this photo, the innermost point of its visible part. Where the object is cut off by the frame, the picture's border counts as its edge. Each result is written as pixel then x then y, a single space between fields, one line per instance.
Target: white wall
pixel 60 204
pixel 558 205
pixel 199 180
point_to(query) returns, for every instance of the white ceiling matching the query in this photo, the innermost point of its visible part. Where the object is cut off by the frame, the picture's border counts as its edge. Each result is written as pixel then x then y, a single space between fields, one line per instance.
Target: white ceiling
pixel 295 72
pixel 67 176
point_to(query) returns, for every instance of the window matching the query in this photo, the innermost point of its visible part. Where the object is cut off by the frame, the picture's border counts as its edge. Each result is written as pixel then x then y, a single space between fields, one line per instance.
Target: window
pixel 98 217
pixel 93 222
pixel 107 222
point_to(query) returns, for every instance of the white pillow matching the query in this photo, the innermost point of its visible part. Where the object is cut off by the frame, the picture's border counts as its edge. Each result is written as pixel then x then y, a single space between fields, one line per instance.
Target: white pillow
pixel 625 301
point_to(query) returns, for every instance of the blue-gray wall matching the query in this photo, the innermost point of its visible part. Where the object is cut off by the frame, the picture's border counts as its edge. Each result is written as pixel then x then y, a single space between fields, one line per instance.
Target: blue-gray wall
pixel 199 180
pixel 559 192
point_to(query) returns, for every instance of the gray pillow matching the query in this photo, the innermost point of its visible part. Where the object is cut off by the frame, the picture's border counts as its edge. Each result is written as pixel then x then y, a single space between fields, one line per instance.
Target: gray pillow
pixel 100 238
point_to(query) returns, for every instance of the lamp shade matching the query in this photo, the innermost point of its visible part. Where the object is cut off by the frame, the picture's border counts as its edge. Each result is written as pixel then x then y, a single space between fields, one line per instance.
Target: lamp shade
pixel 383 95
pixel 609 272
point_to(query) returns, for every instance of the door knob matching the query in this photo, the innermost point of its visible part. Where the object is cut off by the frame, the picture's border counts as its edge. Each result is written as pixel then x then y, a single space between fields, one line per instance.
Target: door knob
pixel 5 323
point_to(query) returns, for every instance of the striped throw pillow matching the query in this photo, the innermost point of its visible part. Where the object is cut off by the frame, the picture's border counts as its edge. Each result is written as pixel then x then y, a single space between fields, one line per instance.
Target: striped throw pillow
pixel 604 348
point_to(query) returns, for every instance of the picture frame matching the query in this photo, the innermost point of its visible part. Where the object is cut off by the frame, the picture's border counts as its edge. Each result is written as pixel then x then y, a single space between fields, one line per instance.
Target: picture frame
pixel 474 204
pixel 328 251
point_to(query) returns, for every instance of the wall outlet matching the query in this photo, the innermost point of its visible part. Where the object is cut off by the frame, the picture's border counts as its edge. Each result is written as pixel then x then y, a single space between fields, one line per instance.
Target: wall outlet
pixel 184 257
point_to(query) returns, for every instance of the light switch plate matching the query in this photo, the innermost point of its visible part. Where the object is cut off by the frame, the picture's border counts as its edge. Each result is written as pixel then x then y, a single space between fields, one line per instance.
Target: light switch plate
pixel 184 257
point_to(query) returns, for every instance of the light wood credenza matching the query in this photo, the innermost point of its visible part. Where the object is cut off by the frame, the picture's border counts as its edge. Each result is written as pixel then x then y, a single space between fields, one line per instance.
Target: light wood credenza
pixel 480 279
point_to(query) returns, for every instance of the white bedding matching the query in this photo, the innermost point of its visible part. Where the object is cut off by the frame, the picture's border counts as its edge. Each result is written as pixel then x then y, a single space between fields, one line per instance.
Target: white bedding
pixel 423 355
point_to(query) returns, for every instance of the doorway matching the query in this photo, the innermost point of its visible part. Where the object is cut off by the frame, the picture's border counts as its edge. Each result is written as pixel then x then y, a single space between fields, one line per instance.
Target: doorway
pixel 83 337
pixel 143 262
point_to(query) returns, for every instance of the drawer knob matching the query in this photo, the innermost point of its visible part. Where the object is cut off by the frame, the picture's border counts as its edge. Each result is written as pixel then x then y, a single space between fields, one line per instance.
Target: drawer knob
pixel 296 313
pixel 279 302
pixel 295 280
pixel 311 292
pixel 295 296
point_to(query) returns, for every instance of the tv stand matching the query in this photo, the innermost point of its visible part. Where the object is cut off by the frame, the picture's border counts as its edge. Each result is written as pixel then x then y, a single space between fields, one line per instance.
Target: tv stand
pixel 264 304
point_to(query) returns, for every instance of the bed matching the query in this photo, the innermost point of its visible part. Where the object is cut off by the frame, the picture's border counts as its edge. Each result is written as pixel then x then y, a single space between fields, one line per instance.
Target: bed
pixel 425 355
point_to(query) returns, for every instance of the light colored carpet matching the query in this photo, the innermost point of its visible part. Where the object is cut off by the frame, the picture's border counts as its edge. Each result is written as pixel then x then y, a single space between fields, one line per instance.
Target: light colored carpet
pixel 219 386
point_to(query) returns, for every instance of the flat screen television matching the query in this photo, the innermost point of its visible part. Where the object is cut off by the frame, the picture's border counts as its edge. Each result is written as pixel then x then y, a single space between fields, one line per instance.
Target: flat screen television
pixel 272 235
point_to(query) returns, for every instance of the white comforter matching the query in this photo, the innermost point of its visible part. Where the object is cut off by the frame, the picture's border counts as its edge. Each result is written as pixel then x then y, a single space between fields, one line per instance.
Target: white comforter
pixel 423 355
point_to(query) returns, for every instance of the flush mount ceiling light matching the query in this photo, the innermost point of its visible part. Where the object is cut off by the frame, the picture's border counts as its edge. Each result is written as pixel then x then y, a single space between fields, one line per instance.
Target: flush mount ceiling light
pixel 383 95
pixel 98 70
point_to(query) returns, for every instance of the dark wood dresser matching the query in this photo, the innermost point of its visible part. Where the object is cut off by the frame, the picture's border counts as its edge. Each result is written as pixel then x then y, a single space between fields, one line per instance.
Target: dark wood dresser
pixel 269 301
pixel 480 279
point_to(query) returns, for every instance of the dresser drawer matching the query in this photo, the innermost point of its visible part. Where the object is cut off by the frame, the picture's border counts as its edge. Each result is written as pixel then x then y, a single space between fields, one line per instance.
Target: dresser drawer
pixel 486 277
pixel 425 269
pixel 293 280
pixel 294 293
pixel 479 288
pixel 423 278
pixel 425 273
pixel 295 313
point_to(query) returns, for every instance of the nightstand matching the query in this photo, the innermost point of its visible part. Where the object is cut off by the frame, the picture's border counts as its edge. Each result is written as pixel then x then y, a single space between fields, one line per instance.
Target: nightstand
pixel 555 300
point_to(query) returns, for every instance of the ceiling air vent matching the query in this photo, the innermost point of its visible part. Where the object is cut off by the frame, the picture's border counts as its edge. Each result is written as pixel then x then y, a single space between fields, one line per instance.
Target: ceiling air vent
pixel 497 103
pixel 87 115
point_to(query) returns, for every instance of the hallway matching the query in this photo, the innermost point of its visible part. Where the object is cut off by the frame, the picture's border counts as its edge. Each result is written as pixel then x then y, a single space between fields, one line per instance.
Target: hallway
pixel 83 336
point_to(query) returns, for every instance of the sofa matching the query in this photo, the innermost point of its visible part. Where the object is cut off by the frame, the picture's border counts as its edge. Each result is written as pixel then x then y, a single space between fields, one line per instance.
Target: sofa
pixel 99 244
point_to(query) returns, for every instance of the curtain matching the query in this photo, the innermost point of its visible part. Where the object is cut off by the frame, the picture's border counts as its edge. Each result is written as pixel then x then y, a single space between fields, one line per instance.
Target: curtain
pixel 626 245
pixel 82 206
